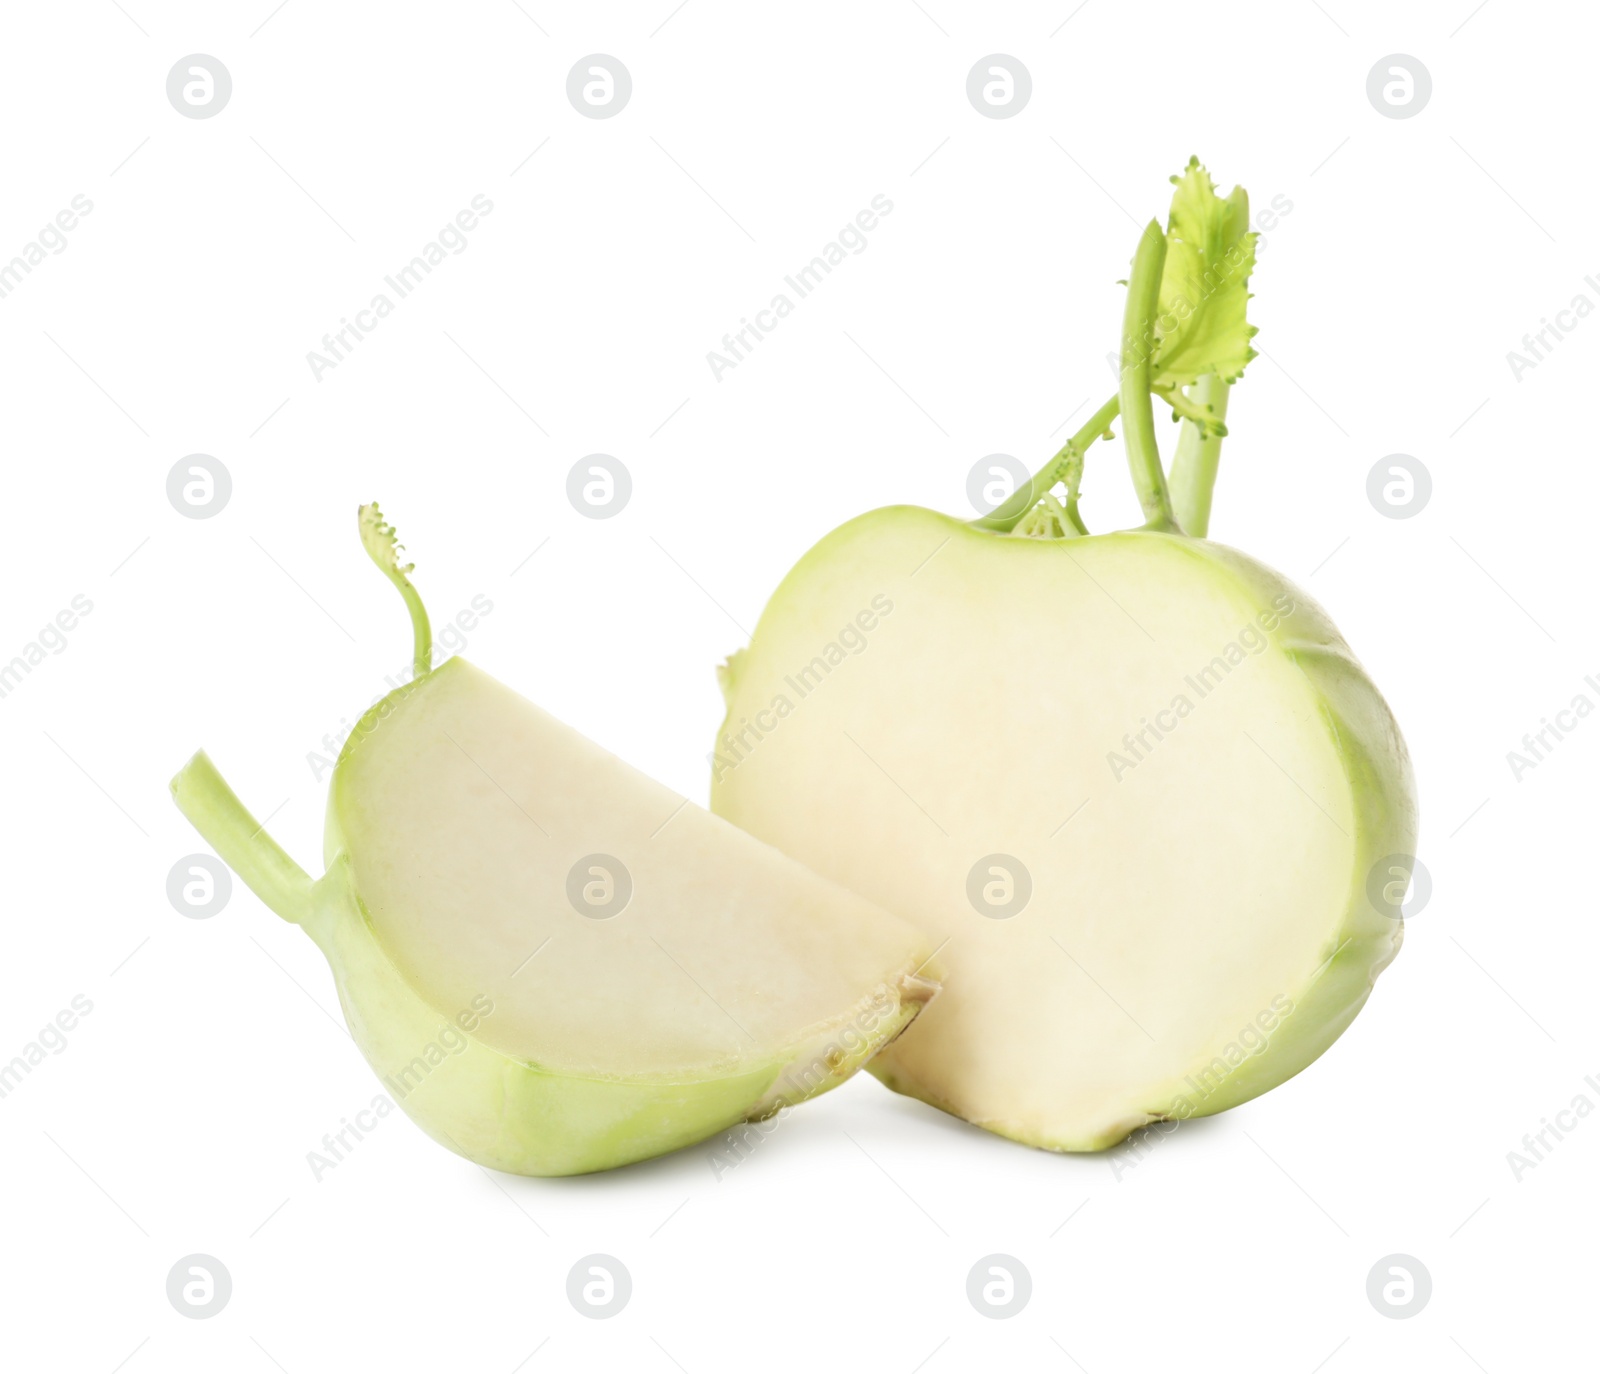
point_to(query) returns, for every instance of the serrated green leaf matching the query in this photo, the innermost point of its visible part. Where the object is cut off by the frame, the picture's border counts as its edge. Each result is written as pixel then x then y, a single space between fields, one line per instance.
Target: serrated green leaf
pixel 1201 325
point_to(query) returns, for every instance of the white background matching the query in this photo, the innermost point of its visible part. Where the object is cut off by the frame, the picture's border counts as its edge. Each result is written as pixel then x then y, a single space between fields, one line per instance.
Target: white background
pixel 178 319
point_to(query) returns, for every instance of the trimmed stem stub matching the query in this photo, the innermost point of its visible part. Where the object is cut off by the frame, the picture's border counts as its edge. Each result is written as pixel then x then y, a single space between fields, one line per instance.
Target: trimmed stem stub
pixel 212 807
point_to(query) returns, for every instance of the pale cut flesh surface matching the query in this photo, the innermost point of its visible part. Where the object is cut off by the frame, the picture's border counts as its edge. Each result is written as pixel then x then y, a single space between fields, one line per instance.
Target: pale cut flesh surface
pixel 1199 927
pixel 462 813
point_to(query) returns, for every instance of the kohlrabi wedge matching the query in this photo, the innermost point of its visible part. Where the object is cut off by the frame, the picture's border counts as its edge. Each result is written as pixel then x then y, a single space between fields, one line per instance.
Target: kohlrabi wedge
pixel 555 964
pixel 1135 786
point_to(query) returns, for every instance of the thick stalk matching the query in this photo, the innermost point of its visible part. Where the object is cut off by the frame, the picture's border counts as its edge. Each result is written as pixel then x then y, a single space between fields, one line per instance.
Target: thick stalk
pixel 1138 415
pixel 229 828
pixel 1004 517
pixel 1194 466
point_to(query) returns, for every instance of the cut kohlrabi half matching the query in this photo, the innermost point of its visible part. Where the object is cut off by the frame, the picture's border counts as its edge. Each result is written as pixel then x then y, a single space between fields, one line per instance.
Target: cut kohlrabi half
pixel 1135 786
pixel 555 964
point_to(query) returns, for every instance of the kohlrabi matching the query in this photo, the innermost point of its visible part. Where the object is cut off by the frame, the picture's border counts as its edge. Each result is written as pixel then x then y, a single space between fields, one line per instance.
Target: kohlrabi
pixel 1135 785
pixel 555 964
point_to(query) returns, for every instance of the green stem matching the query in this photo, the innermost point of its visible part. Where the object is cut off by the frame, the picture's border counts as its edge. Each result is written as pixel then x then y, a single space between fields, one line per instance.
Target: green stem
pixel 1194 466
pixel 225 824
pixel 383 548
pixel 1004 517
pixel 1073 518
pixel 421 631
pixel 1138 346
